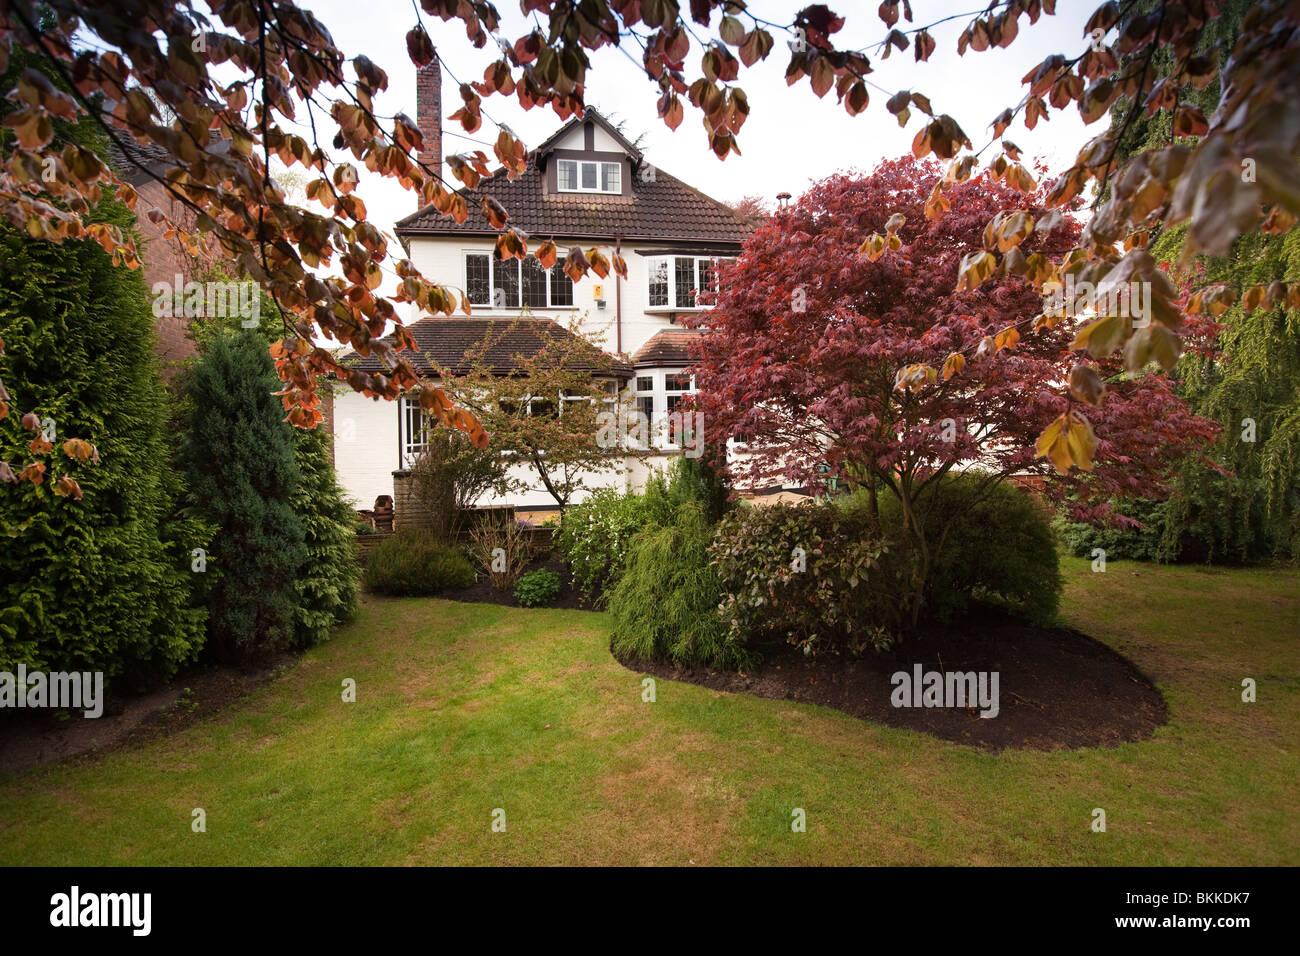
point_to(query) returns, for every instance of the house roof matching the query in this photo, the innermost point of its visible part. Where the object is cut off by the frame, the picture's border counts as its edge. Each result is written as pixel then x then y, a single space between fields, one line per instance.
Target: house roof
pixel 666 208
pixel 445 343
pixel 133 161
pixel 591 114
pixel 667 347
pixel 662 207
pixel 127 158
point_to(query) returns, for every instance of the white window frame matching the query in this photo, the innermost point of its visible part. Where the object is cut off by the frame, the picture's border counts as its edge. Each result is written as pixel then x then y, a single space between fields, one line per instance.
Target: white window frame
pixel 467 254
pixel 599 166
pixel 671 264
pixel 409 413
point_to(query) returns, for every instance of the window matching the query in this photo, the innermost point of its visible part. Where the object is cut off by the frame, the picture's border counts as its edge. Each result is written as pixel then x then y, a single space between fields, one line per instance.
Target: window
pixel 533 406
pixel 611 179
pixel 534 283
pixel 583 176
pixel 684 282
pixel 508 284
pixel 505 283
pixel 478 281
pixel 561 285
pixel 645 383
pixel 566 174
pixel 676 385
pixel 658 283
pixel 410 426
pixel 676 282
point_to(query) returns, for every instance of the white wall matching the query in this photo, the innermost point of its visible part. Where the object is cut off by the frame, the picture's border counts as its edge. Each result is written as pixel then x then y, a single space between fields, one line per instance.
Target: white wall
pixel 365 446
pixel 443 260
pixel 366 430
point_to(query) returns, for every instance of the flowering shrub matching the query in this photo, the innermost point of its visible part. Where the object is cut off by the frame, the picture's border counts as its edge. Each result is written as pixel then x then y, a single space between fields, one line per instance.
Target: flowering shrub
pixel 595 535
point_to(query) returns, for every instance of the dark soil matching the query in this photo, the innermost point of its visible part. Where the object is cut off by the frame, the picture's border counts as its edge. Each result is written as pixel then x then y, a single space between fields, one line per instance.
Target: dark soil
pixel 1058 688
pixel 482 592
pixel 32 738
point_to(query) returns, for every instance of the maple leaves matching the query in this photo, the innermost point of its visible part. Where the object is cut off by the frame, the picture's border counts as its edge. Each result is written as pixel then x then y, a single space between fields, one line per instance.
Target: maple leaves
pixel 898 373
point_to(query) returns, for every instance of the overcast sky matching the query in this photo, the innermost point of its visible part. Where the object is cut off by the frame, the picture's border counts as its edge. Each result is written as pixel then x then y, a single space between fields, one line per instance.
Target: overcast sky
pixel 790 139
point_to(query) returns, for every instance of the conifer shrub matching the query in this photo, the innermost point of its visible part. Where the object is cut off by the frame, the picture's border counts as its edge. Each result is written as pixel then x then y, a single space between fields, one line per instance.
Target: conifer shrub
pixel 414 562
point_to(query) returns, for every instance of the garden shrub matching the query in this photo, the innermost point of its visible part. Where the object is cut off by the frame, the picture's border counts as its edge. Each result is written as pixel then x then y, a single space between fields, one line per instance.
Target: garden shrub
pixel 537 588
pixel 665 604
pixel 595 536
pixel 698 480
pixel 415 562
pixel 102 583
pixel 452 473
pixel 1132 544
pixel 811 574
pixel 501 549
pixel 989 544
pixel 238 453
pixel 327 584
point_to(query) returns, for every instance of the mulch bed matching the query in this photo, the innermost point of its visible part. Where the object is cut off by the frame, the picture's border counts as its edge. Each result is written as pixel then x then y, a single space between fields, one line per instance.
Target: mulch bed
pixel 482 592
pixel 1058 688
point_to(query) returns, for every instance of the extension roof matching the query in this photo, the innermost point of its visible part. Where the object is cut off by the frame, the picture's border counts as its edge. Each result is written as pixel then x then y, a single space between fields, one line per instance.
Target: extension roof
pixel 450 343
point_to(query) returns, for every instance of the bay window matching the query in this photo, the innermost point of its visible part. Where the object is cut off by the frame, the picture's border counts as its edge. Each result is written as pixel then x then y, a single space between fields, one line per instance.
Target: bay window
pixel 675 282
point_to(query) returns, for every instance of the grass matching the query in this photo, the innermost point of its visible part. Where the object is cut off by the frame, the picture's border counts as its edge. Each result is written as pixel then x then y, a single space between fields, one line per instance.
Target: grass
pixel 465 708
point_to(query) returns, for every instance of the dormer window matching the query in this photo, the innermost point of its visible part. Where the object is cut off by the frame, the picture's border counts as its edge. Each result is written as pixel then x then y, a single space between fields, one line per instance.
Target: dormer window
pixel 581 176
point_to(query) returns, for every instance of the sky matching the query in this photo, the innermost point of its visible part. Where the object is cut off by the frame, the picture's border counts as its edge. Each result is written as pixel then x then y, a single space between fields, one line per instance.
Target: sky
pixel 791 138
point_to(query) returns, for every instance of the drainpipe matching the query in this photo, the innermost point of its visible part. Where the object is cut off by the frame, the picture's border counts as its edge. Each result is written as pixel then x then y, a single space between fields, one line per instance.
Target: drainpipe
pixel 618 300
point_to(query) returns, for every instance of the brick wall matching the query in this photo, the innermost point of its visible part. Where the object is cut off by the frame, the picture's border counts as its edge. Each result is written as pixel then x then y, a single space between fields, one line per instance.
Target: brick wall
pixel 428 113
pixel 407 510
pixel 163 260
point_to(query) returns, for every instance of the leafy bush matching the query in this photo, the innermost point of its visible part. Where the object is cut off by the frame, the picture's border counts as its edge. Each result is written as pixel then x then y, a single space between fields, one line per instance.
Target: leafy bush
pixel 363 527
pixel 1133 544
pixel 665 604
pixel 990 544
pixel 595 537
pixel 537 588
pixel 698 480
pixel 811 574
pixel 414 562
pixel 451 474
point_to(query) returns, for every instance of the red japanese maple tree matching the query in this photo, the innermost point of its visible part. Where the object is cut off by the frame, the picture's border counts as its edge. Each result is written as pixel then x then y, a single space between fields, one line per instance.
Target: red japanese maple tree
pixel 803 355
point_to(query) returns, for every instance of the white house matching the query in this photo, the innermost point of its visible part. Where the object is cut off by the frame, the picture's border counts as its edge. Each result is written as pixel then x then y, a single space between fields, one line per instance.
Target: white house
pixel 586 185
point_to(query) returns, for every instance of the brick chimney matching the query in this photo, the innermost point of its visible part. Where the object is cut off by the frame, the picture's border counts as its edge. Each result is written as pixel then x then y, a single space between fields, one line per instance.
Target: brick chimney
pixel 428 113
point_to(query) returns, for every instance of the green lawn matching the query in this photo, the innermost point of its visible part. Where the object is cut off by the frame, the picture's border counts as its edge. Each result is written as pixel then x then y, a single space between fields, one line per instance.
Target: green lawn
pixel 466 708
